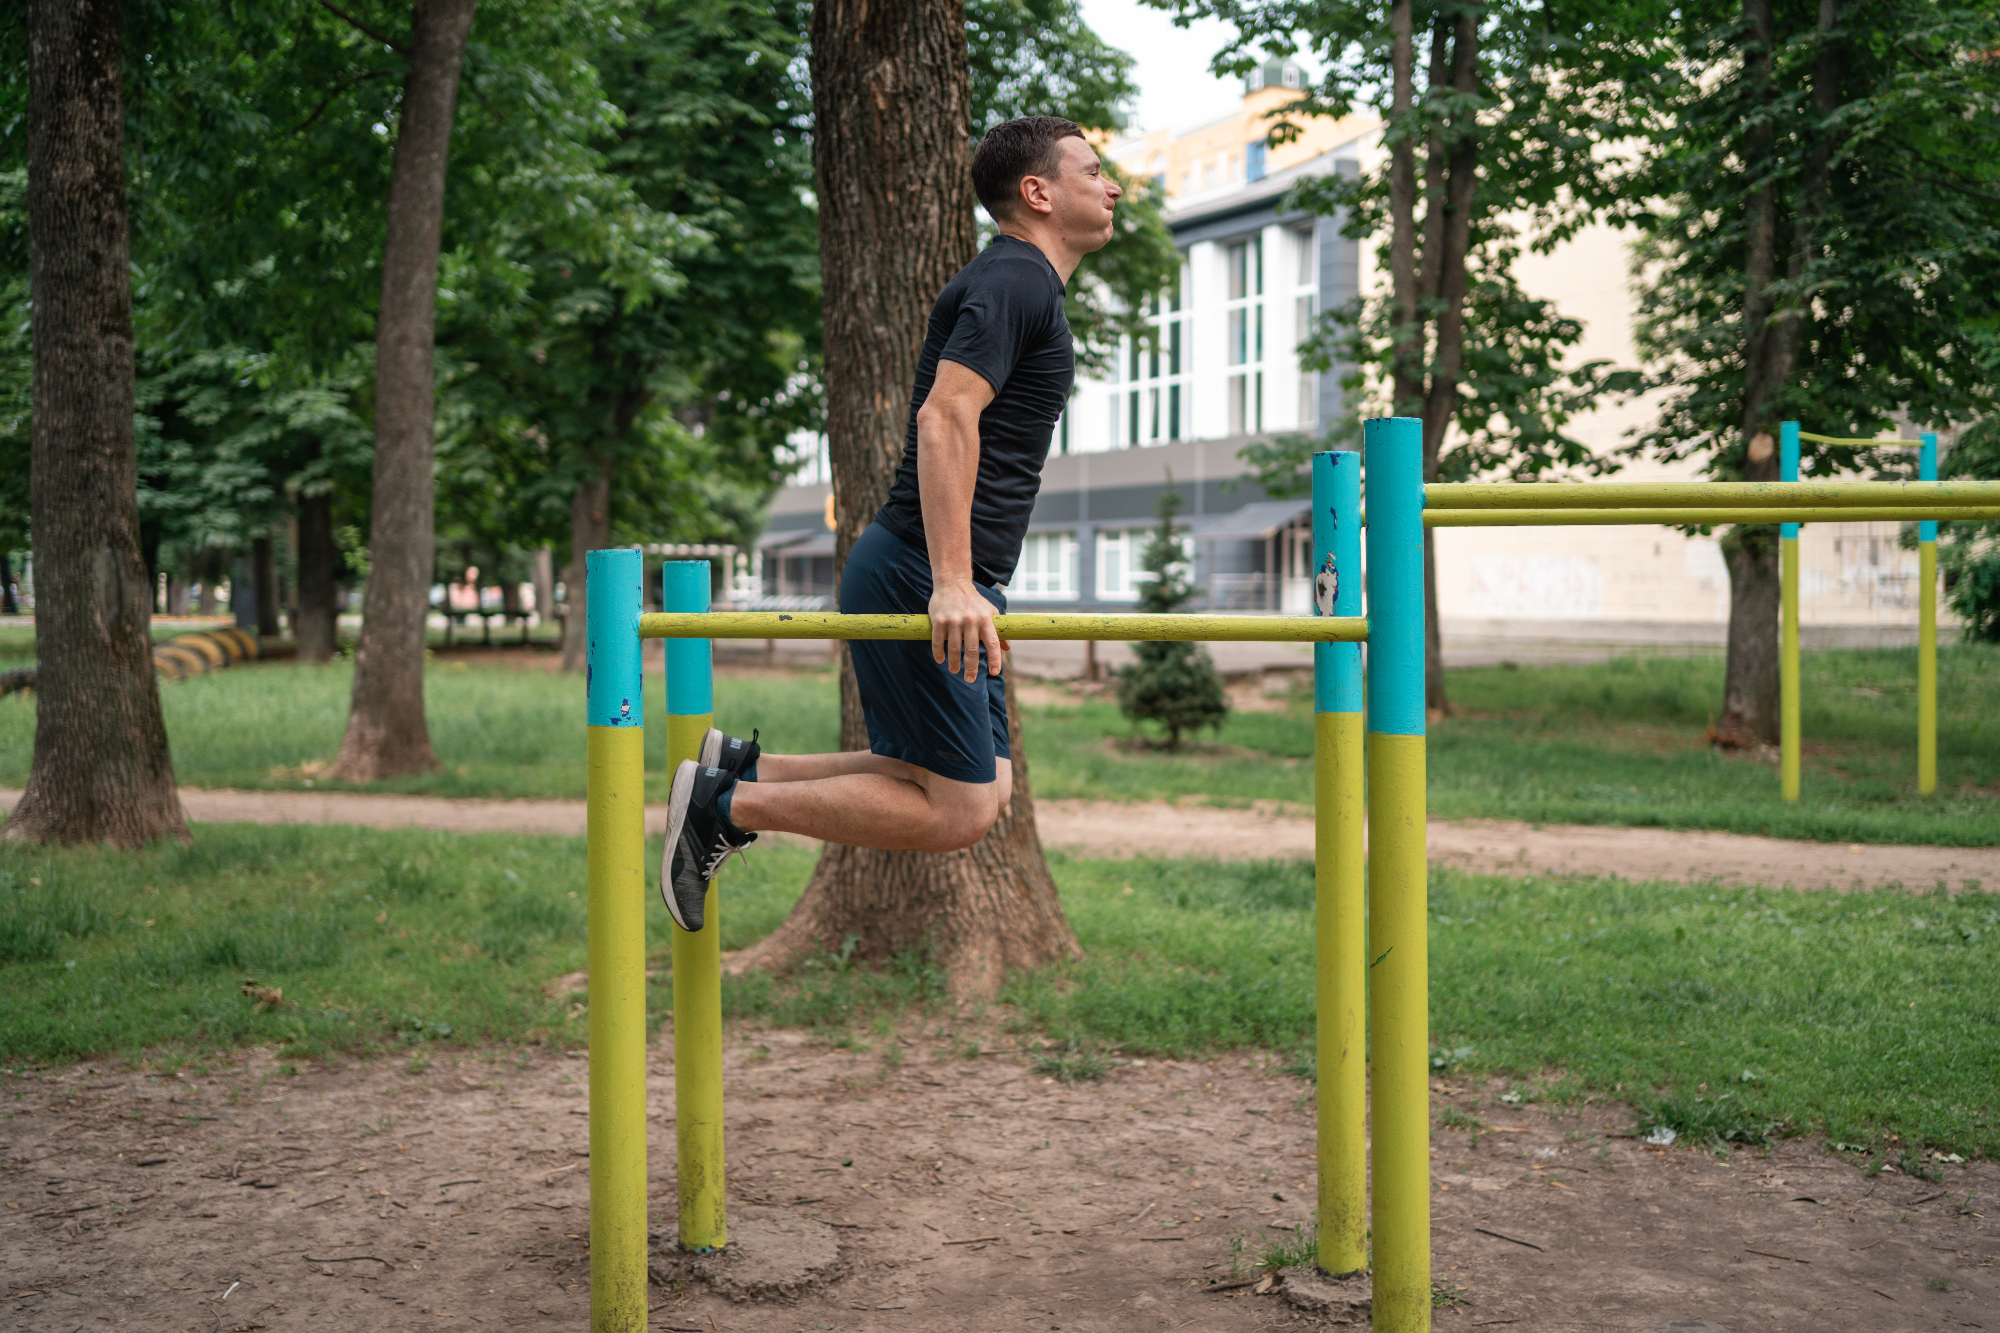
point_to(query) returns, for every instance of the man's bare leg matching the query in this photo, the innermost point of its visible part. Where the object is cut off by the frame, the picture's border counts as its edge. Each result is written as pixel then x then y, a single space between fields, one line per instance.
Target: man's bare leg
pixel 861 799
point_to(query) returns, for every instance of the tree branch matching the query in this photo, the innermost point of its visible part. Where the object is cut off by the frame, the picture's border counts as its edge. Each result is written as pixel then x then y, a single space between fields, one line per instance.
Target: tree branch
pixel 327 101
pixel 364 29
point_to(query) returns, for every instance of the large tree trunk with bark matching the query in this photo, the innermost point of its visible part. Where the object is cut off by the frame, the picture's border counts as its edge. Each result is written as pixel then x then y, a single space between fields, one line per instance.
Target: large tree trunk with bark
pixel 386 730
pixel 1750 683
pixel 101 769
pixel 264 573
pixel 892 162
pixel 1772 337
pixel 589 530
pixel 319 562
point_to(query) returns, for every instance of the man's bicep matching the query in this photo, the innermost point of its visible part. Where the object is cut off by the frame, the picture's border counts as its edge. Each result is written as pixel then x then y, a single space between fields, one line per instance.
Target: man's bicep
pixel 961 386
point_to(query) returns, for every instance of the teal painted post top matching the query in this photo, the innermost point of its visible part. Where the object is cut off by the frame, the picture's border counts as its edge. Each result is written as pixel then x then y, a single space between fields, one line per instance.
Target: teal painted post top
pixel 1788 465
pixel 1336 575
pixel 690 665
pixel 1927 471
pixel 1394 450
pixel 614 583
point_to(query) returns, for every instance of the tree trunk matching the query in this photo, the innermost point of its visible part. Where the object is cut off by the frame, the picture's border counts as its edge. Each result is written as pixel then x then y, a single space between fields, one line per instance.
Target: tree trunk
pixel 1447 238
pixel 589 530
pixel 386 730
pixel 545 585
pixel 8 607
pixel 101 769
pixel 264 574
pixel 319 560
pixel 1750 673
pixel 1407 380
pixel 892 161
pixel 1750 684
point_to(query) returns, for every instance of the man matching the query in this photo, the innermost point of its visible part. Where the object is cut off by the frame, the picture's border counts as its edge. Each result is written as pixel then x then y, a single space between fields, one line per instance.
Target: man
pixel 993 376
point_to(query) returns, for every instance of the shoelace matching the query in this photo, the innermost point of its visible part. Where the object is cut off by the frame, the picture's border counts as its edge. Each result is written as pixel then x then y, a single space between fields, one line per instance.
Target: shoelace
pixel 722 854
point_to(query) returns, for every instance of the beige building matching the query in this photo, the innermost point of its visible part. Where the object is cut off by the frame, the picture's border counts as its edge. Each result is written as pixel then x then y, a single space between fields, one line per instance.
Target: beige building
pixel 1225 190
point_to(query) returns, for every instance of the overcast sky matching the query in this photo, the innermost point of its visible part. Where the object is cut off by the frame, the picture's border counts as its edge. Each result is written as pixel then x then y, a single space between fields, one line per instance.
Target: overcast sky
pixel 1175 88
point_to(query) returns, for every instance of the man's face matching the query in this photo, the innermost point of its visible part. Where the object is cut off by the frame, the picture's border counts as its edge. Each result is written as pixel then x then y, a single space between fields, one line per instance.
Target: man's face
pixel 1078 198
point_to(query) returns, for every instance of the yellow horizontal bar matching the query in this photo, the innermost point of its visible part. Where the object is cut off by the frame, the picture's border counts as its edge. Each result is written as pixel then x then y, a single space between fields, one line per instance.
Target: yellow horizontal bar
pixel 831 625
pixel 1907 495
pixel 1552 518
pixel 1861 444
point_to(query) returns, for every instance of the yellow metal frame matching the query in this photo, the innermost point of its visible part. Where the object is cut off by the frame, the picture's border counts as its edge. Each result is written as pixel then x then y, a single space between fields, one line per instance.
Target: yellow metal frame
pixel 1788 668
pixel 833 625
pixel 1906 496
pixel 1374 1011
pixel 1562 518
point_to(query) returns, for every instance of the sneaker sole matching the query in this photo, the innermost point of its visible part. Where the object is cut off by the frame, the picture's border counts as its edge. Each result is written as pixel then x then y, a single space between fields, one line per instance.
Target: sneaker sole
pixel 711 748
pixel 677 813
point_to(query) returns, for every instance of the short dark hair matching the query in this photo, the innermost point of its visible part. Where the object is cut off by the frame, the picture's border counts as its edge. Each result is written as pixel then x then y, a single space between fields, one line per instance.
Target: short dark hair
pixel 1017 148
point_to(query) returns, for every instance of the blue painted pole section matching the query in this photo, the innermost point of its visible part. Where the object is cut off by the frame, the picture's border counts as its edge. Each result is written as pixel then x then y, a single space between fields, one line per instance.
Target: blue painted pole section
pixel 1398 951
pixel 690 676
pixel 1336 479
pixel 1395 567
pixel 1788 467
pixel 611 626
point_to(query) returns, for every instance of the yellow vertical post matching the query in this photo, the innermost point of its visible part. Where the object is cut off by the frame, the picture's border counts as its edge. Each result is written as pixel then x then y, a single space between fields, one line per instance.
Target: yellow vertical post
pixel 1927 631
pixel 1398 953
pixel 1340 921
pixel 1788 620
pixel 615 787
pixel 704 1217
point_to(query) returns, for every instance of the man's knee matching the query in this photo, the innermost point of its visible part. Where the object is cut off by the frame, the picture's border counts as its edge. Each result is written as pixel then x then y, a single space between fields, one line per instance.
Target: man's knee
pixel 970 811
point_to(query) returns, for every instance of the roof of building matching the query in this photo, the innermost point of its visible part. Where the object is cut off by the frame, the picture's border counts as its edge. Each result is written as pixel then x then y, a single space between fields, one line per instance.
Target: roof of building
pixel 1253 522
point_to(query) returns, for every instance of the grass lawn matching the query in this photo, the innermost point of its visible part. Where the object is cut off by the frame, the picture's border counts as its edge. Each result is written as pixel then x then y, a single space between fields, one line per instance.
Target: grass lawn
pixel 1620 743
pixel 1863 1015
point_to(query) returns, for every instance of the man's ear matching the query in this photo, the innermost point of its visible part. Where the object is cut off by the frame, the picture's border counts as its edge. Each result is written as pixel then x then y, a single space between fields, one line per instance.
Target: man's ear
pixel 1034 192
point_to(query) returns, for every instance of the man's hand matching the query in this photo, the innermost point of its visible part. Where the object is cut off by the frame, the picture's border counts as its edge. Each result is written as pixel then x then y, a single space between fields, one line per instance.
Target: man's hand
pixel 961 621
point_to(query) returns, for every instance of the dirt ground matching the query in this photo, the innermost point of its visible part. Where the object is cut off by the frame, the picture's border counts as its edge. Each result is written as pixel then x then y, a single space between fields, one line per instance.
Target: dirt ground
pixel 964 1194
pixel 1160 828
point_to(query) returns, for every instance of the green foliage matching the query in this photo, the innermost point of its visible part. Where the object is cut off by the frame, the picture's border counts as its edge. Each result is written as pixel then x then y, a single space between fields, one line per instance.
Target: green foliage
pixel 1172 683
pixel 1899 277
pixel 1549 123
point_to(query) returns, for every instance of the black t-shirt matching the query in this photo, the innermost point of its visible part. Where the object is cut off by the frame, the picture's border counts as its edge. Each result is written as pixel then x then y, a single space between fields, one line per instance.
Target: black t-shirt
pixel 1002 317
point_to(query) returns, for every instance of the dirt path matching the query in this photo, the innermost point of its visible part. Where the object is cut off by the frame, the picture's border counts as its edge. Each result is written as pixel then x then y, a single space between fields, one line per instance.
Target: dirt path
pixel 395 1195
pixel 1158 828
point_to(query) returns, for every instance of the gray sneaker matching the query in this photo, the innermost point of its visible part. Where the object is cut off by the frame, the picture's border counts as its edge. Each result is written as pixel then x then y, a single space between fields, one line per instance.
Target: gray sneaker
pixel 698 841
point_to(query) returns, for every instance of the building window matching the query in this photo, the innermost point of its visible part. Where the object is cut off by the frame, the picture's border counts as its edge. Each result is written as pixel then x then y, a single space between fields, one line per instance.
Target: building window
pixel 1308 256
pixel 1114 566
pixel 1254 159
pixel 1291 75
pixel 1047 571
pixel 1154 360
pixel 1120 556
pixel 1209 174
pixel 1244 312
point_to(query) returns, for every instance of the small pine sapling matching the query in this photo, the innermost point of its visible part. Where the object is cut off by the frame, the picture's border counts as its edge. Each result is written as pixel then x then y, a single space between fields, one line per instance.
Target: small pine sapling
pixel 1174 684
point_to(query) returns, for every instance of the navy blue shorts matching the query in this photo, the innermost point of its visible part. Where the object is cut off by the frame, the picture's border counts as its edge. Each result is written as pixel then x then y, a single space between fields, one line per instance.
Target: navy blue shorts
pixel 917 711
